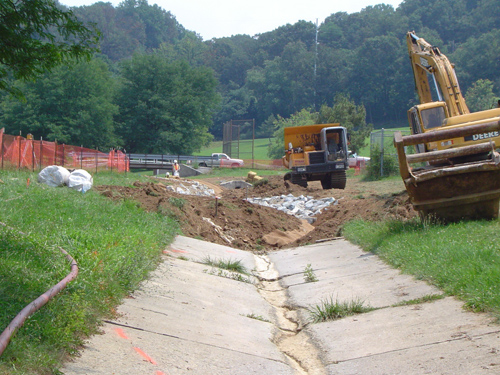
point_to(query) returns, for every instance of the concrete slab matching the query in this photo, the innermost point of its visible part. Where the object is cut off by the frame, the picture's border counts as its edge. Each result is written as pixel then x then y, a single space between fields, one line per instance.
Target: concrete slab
pixel 430 338
pixel 347 273
pixel 198 250
pixel 187 319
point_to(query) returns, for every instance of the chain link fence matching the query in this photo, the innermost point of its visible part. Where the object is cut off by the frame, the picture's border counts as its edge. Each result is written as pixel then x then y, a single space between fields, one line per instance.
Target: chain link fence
pixel 383 155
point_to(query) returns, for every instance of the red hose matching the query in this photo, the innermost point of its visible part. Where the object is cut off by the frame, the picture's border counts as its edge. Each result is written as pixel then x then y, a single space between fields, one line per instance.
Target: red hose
pixel 25 313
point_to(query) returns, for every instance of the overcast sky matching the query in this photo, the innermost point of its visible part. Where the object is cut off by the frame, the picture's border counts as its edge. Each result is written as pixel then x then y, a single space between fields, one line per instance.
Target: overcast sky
pixel 221 18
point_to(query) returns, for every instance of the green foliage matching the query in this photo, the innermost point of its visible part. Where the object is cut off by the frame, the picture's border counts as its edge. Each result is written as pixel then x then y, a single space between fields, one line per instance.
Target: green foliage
pixel 344 111
pixel 349 115
pixel 132 26
pixel 462 259
pixel 36 36
pixel 277 148
pixel 480 96
pixel 177 202
pixel 330 309
pixel 381 166
pixel 165 107
pixel 73 105
pixel 225 264
pixel 309 276
pixel 258 317
pixel 115 246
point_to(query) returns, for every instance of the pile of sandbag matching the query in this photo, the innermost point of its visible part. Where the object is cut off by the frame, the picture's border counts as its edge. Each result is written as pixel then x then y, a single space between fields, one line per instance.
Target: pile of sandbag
pixel 54 175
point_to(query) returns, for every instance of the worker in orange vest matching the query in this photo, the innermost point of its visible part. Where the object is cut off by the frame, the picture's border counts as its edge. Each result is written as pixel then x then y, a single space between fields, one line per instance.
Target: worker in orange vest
pixel 176 169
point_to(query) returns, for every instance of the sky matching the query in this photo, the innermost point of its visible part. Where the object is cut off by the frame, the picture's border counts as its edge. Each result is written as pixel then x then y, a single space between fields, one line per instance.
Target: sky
pixel 224 18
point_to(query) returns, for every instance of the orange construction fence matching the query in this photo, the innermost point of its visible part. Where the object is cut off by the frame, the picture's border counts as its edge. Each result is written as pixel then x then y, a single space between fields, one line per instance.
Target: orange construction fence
pixel 19 152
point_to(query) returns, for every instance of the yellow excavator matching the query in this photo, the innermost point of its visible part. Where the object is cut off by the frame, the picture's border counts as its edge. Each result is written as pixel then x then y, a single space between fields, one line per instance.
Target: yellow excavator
pixel 457 169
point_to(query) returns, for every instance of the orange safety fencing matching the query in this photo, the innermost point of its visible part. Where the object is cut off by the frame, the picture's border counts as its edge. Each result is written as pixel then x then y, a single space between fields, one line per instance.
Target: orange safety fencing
pixel 19 152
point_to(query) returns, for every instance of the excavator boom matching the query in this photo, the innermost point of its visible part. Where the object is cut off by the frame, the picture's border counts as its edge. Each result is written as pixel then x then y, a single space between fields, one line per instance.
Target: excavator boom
pixel 427 62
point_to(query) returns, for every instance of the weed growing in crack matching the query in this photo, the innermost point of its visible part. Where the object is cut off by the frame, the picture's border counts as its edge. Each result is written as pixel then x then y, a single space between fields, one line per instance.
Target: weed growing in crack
pixel 229 275
pixel 257 317
pixel 330 309
pixel 309 276
pixel 417 301
pixel 230 265
pixel 182 257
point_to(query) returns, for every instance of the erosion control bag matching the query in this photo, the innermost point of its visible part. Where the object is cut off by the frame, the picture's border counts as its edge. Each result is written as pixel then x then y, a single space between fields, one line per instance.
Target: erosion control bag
pixel 80 180
pixel 54 176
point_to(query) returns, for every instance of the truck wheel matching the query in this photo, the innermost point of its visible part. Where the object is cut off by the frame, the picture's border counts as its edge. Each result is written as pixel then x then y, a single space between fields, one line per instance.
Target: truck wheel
pixel 202 164
pixel 338 180
pixel 235 165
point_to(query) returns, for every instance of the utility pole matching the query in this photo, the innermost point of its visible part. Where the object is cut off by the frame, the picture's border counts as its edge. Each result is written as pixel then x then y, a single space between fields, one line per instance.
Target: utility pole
pixel 315 62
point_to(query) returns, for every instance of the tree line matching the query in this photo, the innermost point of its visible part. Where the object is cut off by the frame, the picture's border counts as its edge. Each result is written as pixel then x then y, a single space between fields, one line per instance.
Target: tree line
pixel 150 85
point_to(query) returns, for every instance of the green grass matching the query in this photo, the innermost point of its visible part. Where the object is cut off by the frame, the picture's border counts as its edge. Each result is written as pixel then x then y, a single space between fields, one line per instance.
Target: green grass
pixel 462 259
pixel 245 149
pixel 115 245
pixel 225 264
pixel 330 309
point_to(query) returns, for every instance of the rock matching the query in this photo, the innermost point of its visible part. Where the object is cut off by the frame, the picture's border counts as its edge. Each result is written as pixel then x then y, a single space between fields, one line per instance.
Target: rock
pixel 302 207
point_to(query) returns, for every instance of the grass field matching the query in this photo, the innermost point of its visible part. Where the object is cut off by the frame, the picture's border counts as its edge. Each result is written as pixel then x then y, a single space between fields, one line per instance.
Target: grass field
pixel 245 149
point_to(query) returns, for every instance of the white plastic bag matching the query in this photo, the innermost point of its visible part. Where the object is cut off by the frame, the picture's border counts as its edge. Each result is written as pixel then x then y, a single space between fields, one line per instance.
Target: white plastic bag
pixel 80 180
pixel 54 176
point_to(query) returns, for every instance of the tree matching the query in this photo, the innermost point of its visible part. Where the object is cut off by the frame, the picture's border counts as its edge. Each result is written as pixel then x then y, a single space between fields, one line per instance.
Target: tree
pixel 165 107
pixel 36 36
pixel 301 118
pixel 349 115
pixel 73 105
pixel 480 96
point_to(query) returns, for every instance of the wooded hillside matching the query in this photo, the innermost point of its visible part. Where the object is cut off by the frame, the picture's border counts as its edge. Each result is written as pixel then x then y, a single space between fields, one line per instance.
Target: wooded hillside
pixel 361 55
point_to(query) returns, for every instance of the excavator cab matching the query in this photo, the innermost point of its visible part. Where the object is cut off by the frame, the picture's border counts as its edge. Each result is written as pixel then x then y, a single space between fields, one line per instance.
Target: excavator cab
pixel 424 118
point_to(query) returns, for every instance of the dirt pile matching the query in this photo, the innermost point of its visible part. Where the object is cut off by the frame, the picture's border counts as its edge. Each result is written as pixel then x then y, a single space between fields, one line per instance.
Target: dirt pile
pixel 230 220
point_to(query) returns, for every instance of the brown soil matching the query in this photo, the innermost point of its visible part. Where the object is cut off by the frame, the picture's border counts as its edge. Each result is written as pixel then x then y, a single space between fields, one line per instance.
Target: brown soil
pixel 243 225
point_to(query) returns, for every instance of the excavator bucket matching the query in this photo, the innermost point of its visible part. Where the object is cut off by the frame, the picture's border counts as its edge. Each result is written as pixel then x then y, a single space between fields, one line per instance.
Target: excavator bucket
pixel 442 189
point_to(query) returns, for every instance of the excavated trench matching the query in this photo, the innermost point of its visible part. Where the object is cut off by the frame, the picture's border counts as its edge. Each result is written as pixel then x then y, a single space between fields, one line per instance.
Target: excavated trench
pixel 289 337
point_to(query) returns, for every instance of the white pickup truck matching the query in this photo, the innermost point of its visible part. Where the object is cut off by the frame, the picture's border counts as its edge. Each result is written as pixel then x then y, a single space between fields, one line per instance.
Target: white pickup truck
pixel 220 160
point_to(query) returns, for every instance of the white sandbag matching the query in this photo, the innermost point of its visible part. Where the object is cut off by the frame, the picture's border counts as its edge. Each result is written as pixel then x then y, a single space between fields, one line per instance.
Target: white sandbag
pixel 54 176
pixel 80 180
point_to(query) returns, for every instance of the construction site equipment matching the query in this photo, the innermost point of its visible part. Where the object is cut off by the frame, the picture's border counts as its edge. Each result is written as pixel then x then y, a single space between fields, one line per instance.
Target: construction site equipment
pixel 316 153
pixel 458 176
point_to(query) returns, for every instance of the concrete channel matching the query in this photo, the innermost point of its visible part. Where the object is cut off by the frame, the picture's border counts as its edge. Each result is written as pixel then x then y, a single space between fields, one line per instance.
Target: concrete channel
pixel 192 318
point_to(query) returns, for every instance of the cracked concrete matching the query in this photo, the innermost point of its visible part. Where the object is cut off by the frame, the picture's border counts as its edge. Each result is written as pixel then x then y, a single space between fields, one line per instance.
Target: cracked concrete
pixel 188 320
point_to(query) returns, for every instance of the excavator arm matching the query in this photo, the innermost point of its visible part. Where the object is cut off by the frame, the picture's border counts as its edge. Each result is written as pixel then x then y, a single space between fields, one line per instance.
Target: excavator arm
pixel 427 62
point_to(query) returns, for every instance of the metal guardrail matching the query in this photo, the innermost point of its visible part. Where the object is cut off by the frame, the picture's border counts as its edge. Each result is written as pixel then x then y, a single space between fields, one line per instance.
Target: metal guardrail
pixel 157 160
